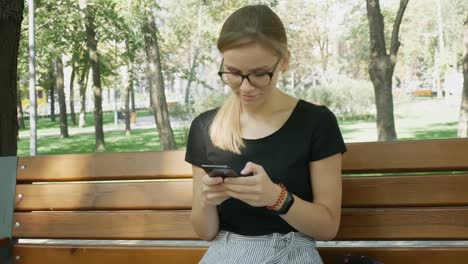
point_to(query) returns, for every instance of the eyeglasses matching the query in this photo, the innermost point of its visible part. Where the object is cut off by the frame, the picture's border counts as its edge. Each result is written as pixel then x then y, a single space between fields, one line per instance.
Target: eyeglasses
pixel 257 79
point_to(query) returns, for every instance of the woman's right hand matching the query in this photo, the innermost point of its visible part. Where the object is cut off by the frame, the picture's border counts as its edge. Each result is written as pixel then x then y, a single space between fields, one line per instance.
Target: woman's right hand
pixel 213 190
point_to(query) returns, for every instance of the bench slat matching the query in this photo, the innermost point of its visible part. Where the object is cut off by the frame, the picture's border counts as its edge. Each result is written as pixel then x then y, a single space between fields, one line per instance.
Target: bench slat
pixel 405 156
pixel 104 166
pixel 102 196
pixel 37 254
pixel 397 156
pixel 165 224
pixel 404 224
pixel 401 255
pixel 356 224
pixel 357 192
pixel 396 191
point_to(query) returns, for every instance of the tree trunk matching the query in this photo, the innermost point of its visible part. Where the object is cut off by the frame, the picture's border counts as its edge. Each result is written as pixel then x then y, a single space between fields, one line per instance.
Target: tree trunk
pixel 20 111
pixel 128 88
pixel 463 124
pixel 193 66
pixel 91 43
pixel 188 103
pixel 324 54
pixel 442 57
pixel 72 95
pixel 132 92
pixel 11 15
pixel 82 84
pixel 382 65
pixel 51 83
pixel 158 96
pixel 61 96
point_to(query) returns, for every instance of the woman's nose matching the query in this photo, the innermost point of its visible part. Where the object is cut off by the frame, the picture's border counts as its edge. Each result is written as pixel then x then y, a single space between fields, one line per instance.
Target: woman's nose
pixel 246 86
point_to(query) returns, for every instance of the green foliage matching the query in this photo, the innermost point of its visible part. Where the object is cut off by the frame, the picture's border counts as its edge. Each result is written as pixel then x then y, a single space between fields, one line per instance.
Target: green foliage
pixel 212 100
pixel 348 99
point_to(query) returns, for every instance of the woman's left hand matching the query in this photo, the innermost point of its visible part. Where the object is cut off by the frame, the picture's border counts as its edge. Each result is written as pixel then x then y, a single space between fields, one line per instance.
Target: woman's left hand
pixel 257 190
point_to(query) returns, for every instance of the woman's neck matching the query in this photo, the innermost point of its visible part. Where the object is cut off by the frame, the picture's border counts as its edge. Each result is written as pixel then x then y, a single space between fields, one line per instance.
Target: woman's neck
pixel 272 104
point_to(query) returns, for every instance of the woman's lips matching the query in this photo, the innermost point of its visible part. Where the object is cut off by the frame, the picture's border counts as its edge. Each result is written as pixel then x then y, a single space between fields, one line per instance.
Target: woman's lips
pixel 248 97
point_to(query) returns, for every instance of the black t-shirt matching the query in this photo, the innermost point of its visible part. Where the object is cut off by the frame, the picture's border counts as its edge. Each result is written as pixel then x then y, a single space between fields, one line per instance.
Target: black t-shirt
pixel 311 133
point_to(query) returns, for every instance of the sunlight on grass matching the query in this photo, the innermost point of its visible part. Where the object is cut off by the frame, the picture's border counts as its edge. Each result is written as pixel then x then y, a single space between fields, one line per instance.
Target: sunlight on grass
pixel 415 120
pixel 116 141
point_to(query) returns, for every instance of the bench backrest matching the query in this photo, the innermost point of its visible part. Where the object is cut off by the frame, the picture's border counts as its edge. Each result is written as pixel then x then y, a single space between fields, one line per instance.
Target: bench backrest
pixel 147 196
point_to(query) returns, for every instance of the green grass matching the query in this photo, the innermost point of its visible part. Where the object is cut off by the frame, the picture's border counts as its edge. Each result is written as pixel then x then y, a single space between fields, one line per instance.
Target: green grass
pixel 416 120
pixel 116 141
pixel 44 123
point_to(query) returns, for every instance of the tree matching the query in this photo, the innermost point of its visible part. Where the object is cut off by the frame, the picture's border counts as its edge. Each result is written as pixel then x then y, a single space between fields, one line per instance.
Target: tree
pixel 20 111
pixel 11 16
pixel 92 44
pixel 382 66
pixel 61 95
pixel 72 93
pixel 463 123
pixel 158 96
pixel 51 84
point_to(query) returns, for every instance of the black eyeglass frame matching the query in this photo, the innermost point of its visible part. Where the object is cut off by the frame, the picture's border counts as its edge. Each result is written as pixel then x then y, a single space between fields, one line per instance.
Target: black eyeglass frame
pixel 246 76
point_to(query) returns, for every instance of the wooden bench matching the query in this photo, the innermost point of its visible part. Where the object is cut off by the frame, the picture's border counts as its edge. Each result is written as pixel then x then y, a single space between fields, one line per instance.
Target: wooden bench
pixel 92 201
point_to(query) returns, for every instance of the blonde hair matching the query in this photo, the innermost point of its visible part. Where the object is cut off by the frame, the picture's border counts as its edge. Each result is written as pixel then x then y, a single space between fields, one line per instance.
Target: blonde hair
pixel 247 25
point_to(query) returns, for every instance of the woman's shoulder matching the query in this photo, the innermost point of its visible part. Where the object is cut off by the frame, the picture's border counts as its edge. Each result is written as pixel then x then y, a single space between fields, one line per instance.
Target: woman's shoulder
pixel 316 111
pixel 206 117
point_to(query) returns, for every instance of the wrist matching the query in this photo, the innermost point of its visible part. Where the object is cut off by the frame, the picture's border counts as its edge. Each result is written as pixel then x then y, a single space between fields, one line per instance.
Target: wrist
pixel 279 197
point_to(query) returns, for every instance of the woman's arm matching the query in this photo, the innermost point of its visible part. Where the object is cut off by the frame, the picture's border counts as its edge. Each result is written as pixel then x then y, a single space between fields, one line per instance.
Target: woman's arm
pixel 207 193
pixel 320 219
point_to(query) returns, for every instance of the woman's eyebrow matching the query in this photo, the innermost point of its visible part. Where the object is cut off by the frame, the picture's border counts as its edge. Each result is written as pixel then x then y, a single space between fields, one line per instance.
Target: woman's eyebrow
pixel 266 67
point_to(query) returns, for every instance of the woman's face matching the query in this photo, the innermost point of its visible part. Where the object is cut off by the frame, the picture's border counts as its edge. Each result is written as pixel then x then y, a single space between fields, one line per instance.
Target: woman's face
pixel 257 62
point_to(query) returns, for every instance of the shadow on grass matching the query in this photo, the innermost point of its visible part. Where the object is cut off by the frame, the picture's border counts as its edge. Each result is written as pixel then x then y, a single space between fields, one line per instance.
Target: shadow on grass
pixel 434 131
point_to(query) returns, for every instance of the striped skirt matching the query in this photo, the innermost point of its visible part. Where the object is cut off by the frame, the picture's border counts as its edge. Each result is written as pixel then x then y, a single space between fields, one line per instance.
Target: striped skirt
pixel 231 248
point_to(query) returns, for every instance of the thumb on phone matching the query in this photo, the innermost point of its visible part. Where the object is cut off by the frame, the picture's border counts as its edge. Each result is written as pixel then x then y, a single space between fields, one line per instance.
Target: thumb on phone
pixel 250 168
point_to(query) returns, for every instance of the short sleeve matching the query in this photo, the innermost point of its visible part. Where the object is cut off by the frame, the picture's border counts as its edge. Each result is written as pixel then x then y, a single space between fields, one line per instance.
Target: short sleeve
pixel 196 144
pixel 327 139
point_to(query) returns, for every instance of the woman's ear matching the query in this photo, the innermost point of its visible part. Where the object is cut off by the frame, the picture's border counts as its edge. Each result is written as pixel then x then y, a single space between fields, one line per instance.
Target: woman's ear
pixel 285 62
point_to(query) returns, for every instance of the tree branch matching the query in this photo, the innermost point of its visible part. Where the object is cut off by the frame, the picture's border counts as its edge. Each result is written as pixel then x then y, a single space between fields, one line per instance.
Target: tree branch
pixel 376 29
pixel 396 28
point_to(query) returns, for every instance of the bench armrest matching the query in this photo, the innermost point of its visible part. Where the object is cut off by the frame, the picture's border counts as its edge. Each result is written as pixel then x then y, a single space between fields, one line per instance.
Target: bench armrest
pixel 4 241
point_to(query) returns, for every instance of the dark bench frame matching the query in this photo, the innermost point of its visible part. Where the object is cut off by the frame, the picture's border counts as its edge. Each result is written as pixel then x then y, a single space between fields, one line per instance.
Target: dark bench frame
pixel 422 196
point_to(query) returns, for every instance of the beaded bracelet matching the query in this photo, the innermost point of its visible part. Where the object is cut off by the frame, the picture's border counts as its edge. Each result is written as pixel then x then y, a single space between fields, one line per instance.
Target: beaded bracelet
pixel 280 198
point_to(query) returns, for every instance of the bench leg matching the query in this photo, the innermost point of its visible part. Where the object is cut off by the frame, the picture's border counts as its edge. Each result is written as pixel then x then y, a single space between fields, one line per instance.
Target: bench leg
pixel 6 251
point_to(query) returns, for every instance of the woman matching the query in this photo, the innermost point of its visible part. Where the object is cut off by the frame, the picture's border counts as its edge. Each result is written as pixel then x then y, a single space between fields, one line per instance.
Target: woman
pixel 292 147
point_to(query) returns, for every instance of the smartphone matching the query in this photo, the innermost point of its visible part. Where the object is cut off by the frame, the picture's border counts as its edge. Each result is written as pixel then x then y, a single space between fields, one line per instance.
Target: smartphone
pixel 221 171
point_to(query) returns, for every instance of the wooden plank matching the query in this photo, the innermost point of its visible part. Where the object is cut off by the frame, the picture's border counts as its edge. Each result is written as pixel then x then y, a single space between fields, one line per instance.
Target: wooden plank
pixel 425 190
pixel 404 224
pixel 105 225
pixel 37 254
pixel 420 155
pixel 104 196
pixel 356 224
pixel 405 156
pixel 400 255
pixel 104 166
